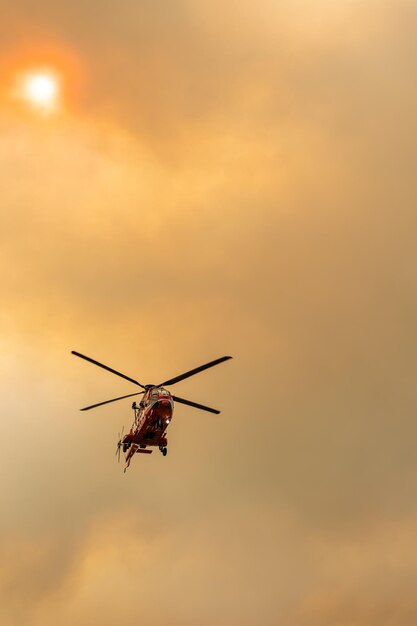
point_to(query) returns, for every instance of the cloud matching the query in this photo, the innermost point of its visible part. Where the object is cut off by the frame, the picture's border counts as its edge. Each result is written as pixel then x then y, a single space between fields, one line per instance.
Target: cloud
pixel 230 180
pixel 238 564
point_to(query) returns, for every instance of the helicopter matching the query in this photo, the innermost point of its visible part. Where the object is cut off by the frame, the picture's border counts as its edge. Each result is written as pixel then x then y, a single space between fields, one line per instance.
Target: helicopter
pixel 154 412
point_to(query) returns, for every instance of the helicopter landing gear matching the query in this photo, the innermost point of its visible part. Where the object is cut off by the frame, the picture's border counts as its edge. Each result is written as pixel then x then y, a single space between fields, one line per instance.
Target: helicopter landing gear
pixel 164 450
pixel 126 446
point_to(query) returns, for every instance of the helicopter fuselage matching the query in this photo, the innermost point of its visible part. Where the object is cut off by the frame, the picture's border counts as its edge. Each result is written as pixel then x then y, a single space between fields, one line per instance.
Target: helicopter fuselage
pixel 152 418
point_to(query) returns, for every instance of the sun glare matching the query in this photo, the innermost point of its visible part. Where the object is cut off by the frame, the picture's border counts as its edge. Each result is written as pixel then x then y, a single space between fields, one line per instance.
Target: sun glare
pixel 40 89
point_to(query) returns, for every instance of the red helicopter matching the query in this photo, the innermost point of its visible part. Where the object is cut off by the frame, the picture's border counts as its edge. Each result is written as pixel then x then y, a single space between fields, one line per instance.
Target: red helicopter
pixel 154 412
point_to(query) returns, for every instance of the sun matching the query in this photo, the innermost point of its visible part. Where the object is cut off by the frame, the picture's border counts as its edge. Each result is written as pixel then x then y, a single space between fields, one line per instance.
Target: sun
pixel 41 89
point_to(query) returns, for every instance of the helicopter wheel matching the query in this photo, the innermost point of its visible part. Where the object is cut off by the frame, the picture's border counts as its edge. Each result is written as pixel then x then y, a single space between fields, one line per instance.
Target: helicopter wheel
pixel 164 451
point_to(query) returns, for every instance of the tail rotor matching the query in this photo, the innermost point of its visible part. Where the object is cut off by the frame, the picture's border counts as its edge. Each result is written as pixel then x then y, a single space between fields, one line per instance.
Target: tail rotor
pixel 119 444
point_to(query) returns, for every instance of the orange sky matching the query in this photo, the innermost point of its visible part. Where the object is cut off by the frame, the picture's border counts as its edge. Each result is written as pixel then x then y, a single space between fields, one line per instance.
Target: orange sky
pixel 220 178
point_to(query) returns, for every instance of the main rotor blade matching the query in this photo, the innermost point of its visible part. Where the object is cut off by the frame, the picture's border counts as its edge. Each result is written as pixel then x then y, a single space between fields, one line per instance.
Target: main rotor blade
pixel 93 406
pixel 172 381
pixel 109 369
pixel 197 406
